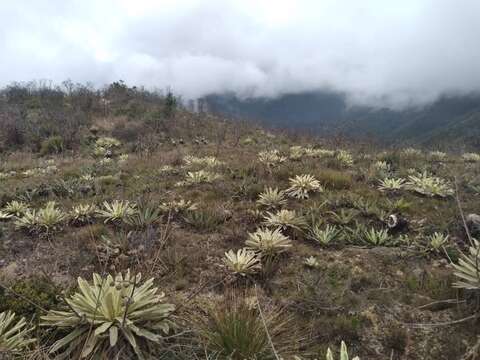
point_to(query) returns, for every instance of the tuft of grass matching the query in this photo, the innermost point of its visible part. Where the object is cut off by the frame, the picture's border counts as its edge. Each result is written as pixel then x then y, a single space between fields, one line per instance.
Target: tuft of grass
pixel 234 330
pixel 334 179
pixel 204 220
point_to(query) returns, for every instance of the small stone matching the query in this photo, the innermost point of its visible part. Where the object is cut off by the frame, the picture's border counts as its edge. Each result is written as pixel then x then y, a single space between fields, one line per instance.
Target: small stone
pixel 473 222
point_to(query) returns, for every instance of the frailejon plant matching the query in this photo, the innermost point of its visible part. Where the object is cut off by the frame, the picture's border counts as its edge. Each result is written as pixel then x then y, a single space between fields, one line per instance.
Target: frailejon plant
pixel 437 240
pixel 323 236
pixel 471 157
pixel 343 353
pixel 329 356
pixel 382 167
pixel 376 237
pixel 285 219
pixel 110 316
pixel 82 214
pixel 5 216
pixel 467 270
pixel 207 161
pixel 117 211
pixel 16 208
pixel 297 152
pixel 391 184
pixel 243 262
pixel 344 216
pixel 311 262
pixel 268 242
pixel 344 158
pixel 199 177
pixel 437 155
pixel 50 218
pixel 144 217
pixel 271 158
pixel 302 185
pixel 14 335
pixel 272 198
pixel 28 221
pixel 411 153
pixel 429 185
pixel 178 206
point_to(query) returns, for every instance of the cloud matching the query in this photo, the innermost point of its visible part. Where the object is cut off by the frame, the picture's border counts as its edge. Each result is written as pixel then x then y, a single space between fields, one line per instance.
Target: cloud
pixel 377 52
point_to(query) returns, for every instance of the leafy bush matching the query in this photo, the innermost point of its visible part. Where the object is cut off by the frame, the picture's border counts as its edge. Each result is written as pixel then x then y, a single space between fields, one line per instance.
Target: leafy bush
pixel 52 145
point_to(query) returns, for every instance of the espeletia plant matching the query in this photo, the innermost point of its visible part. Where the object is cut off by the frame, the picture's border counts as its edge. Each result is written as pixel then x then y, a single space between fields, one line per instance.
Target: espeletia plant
pixel 391 184
pixel 14 334
pixel 243 262
pixel 285 219
pixel 467 269
pixel 112 316
pixel 268 242
pixel 272 198
pixel 302 185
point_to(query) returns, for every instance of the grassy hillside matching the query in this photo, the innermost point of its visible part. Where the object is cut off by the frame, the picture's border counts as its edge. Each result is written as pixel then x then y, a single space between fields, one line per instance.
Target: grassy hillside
pixel 359 251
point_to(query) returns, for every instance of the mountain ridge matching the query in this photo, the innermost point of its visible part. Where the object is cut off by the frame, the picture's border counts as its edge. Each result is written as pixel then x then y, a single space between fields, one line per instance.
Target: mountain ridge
pixel 451 118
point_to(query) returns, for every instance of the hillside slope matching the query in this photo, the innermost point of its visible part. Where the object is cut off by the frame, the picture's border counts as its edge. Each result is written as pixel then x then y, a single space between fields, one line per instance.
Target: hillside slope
pixel 450 118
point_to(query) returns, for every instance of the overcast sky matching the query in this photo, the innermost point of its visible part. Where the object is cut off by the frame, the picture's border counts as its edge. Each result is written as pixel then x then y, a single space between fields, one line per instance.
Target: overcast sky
pixel 377 51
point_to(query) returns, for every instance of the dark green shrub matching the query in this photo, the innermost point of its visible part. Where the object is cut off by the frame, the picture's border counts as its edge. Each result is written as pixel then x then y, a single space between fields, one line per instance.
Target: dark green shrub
pixel 38 290
pixel 52 145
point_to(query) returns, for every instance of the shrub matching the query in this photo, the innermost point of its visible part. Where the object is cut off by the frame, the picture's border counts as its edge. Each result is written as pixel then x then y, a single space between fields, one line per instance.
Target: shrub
pixel 52 145
pixel 41 289
pixel 333 179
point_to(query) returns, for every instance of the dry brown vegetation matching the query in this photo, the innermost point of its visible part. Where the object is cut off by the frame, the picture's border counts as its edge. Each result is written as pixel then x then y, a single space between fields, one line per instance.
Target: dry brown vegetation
pixel 386 291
